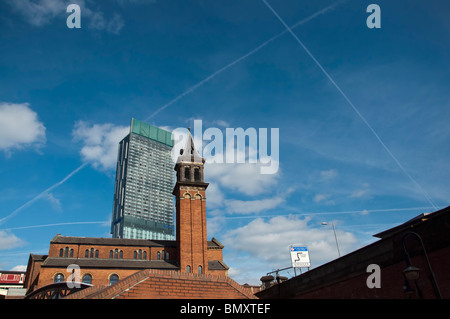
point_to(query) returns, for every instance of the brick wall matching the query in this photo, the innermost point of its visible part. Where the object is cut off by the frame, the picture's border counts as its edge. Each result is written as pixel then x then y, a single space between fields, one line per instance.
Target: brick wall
pixel 99 276
pixel 104 251
pixel 163 284
pixel 191 228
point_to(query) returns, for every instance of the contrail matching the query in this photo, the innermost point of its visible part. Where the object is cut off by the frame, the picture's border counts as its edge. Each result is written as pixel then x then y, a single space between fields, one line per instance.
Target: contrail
pixel 333 213
pixel 48 190
pixel 57 224
pixel 259 47
pixel 353 107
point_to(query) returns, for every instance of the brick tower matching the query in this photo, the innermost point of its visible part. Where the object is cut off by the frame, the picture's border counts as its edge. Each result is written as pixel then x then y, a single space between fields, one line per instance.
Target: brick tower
pixel 191 210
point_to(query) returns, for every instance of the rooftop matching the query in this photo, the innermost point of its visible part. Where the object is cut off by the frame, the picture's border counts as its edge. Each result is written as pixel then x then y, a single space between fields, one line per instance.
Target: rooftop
pixel 151 132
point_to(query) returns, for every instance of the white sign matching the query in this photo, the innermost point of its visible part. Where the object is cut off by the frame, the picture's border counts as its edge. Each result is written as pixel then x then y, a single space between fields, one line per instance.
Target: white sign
pixel 300 257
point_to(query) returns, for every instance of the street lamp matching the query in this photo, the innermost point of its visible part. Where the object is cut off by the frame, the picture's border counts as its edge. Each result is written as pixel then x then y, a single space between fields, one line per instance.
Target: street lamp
pixel 335 237
pixel 411 272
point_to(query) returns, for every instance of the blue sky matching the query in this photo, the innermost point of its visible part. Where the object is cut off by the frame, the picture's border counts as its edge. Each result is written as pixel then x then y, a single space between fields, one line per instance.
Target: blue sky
pixel 67 97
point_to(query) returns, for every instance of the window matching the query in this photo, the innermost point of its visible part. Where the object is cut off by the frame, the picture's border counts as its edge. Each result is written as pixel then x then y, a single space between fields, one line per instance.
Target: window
pixel 67 252
pixel 92 253
pixel 59 278
pixel 200 270
pixel 187 173
pixel 188 269
pixel 145 255
pixel 111 254
pixel 87 279
pixel 113 279
pixel 158 256
pixel 86 253
pixel 196 174
pixel 96 253
pixel 135 255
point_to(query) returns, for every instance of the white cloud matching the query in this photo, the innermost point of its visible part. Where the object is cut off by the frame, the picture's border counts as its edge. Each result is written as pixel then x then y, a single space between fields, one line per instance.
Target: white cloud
pixel 214 195
pixel 100 143
pixel 20 127
pixel 9 241
pixel 245 178
pixel 19 268
pixel 266 244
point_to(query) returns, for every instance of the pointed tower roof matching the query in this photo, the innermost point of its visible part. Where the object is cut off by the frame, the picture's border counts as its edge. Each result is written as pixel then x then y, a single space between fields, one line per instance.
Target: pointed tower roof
pixel 189 153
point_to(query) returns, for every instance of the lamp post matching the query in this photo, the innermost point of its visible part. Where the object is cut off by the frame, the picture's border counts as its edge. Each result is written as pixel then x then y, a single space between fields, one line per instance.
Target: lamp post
pixel 335 237
pixel 411 272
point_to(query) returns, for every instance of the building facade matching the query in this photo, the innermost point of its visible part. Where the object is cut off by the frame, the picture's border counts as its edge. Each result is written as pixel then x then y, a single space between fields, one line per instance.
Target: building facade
pixel 11 284
pixel 143 201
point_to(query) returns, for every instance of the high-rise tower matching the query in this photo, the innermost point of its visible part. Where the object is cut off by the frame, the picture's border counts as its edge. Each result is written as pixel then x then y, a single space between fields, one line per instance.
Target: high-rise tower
pixel 143 200
pixel 191 210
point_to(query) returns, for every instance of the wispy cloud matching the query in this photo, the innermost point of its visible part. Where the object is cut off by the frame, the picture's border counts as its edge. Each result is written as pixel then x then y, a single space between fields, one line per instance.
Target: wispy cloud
pixel 104 223
pixel 40 13
pixel 43 194
pixel 241 58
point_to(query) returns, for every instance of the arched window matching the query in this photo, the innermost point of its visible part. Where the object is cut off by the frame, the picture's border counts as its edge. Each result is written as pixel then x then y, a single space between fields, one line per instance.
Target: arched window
pixel 187 174
pixel 140 254
pixel 113 279
pixel 188 269
pixel 196 174
pixel 96 253
pixel 61 252
pixel 111 254
pixel 92 253
pixel 66 252
pixel 145 255
pixel 87 279
pixel 116 252
pixel 58 278
pixel 86 253
pixel 200 269
pixel 120 254
pixel 135 254
pixel 158 256
pixel 71 253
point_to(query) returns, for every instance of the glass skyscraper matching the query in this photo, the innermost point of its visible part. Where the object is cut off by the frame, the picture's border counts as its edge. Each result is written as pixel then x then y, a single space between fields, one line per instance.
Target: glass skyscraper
pixel 143 201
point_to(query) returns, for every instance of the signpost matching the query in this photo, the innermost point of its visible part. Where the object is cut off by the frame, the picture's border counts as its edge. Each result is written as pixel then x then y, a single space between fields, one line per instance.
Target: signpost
pixel 299 257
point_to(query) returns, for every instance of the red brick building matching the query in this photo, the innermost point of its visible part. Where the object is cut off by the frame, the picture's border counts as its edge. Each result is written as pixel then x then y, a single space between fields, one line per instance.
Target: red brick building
pixel 189 267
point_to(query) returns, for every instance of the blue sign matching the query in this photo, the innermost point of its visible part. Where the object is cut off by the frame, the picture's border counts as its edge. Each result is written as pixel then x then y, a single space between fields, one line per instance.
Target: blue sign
pixel 299 249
